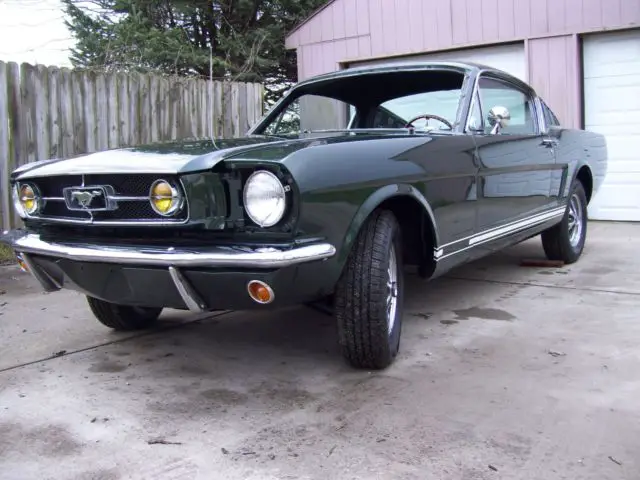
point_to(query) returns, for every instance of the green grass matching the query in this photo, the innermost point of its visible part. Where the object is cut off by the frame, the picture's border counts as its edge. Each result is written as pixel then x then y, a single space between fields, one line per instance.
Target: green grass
pixel 6 254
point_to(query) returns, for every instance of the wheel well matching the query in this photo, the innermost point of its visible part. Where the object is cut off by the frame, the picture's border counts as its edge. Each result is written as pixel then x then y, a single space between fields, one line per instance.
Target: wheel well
pixel 418 234
pixel 584 175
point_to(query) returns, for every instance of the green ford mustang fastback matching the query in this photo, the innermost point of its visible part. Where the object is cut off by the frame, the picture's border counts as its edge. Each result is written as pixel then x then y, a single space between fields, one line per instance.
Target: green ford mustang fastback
pixel 350 177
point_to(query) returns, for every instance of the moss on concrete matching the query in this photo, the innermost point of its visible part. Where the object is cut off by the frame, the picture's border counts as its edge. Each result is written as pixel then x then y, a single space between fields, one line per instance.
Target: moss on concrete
pixel 6 254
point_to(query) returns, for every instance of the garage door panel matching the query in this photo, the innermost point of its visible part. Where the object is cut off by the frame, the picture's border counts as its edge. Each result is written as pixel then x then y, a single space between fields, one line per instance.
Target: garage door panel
pixel 623 150
pixel 614 123
pixel 626 134
pixel 614 78
pixel 612 108
pixel 606 101
pixel 622 69
pixel 616 202
pixel 623 168
pixel 608 97
pixel 614 50
pixel 625 179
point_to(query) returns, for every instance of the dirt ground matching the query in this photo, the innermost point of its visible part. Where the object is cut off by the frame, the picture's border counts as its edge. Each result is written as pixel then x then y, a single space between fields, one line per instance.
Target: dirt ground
pixel 505 372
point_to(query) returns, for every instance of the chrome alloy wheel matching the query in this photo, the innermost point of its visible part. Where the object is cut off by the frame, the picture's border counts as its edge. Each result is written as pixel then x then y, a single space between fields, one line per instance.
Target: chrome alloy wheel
pixel 575 223
pixel 392 289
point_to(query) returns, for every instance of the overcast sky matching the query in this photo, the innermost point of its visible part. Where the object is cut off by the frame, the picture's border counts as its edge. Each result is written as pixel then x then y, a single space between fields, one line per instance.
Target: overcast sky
pixel 33 31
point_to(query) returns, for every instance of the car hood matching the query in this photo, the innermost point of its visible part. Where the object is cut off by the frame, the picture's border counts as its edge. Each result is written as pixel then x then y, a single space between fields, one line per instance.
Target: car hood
pixel 183 157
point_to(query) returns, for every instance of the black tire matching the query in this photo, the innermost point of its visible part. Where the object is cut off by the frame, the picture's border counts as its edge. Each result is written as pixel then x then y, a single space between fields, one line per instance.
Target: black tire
pixel 363 291
pixel 562 241
pixel 123 317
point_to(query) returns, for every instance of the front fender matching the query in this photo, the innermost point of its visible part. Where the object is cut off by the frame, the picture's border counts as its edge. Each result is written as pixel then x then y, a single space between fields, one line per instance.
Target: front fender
pixel 374 201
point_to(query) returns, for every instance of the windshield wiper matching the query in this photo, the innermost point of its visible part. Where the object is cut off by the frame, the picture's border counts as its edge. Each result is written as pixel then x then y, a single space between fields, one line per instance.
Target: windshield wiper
pixel 270 135
pixel 410 131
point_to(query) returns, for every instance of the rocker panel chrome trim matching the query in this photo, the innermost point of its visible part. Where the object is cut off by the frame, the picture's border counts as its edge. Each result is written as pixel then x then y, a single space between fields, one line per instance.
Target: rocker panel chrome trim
pixel 496 233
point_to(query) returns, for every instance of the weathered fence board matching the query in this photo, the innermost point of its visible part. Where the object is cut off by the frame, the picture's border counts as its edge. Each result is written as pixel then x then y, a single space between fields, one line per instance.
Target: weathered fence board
pixel 50 112
pixel 5 149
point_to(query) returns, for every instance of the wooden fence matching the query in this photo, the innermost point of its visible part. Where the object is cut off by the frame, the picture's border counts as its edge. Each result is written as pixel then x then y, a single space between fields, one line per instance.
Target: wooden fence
pixel 47 112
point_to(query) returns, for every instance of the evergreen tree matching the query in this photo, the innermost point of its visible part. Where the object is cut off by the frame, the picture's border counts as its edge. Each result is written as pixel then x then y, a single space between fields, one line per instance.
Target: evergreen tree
pixel 246 37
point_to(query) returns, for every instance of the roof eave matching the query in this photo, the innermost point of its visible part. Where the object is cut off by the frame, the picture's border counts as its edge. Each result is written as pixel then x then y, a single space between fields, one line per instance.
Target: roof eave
pixel 314 14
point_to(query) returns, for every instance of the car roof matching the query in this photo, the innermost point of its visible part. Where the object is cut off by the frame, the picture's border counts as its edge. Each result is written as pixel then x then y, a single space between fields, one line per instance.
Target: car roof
pixel 416 65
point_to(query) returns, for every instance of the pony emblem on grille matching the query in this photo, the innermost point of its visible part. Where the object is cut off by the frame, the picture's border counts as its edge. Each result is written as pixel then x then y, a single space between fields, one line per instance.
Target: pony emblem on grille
pixel 91 198
pixel 84 198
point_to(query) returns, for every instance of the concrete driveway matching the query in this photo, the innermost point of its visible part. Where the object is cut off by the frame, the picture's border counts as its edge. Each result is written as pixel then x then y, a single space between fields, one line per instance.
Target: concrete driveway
pixel 506 372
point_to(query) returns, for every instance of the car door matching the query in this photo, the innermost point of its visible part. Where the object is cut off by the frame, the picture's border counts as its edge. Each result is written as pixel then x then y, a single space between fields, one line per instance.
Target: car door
pixel 446 158
pixel 515 162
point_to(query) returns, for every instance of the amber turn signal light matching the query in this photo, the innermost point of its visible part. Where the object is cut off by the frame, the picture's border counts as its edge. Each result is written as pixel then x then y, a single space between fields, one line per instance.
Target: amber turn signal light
pixel 260 292
pixel 22 264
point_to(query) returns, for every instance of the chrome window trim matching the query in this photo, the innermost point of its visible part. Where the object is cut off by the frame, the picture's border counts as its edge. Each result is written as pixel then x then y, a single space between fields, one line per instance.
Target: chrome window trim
pixel 474 96
pixel 543 105
pixel 529 92
pixel 474 101
pixel 544 128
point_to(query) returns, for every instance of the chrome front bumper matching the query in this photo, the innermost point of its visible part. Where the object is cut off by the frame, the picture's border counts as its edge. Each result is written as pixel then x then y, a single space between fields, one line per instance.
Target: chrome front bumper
pixel 218 256
pixel 172 258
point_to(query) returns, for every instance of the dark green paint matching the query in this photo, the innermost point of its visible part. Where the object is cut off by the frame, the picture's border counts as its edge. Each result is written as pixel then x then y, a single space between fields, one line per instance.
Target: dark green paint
pixel 207 200
pixel 445 186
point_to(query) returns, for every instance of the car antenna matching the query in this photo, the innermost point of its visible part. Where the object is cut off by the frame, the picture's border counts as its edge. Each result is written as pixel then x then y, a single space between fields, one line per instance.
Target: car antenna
pixel 211 135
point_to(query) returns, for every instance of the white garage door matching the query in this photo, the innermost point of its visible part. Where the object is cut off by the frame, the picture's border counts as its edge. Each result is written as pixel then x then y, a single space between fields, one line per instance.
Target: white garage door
pixel 509 58
pixel 612 107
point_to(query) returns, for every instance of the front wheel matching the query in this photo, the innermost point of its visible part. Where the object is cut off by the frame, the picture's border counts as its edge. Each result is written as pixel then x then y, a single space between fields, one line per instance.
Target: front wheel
pixel 565 241
pixel 369 295
pixel 123 317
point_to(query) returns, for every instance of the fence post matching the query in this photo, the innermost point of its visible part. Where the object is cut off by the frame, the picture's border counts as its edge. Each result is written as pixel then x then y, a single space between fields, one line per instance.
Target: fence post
pixel 5 161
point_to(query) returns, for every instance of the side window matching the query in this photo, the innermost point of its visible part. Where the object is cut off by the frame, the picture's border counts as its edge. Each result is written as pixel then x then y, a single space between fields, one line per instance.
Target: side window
pixel 495 93
pixel 549 117
pixel 287 122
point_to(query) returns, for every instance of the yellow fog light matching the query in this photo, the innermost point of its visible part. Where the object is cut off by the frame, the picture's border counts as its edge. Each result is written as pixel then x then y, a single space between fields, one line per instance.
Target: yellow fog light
pixel 165 199
pixel 26 199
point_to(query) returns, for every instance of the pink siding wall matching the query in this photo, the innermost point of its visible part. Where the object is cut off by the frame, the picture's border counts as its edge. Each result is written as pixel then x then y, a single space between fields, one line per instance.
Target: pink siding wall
pixel 359 29
pixel 555 74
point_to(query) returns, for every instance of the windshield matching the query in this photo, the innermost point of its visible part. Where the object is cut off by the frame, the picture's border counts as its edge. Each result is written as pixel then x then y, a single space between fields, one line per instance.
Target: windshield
pixel 426 100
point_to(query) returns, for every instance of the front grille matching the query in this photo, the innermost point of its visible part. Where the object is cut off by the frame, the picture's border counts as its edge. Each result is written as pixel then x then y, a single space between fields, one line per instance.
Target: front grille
pixel 130 192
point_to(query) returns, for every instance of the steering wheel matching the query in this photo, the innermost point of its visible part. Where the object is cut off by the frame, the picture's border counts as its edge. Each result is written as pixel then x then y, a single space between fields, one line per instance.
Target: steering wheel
pixel 427 116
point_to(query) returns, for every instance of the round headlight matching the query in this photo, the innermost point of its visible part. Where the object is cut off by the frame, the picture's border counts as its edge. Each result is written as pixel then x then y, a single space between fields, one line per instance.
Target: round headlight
pixel 264 198
pixel 165 198
pixel 26 199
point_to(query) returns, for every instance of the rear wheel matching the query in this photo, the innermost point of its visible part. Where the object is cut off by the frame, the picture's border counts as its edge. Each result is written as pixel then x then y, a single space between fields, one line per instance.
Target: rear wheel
pixel 565 241
pixel 123 317
pixel 369 295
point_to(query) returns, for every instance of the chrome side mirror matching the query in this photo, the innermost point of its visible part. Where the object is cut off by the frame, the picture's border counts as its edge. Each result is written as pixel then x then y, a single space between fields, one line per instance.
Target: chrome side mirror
pixel 498 118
